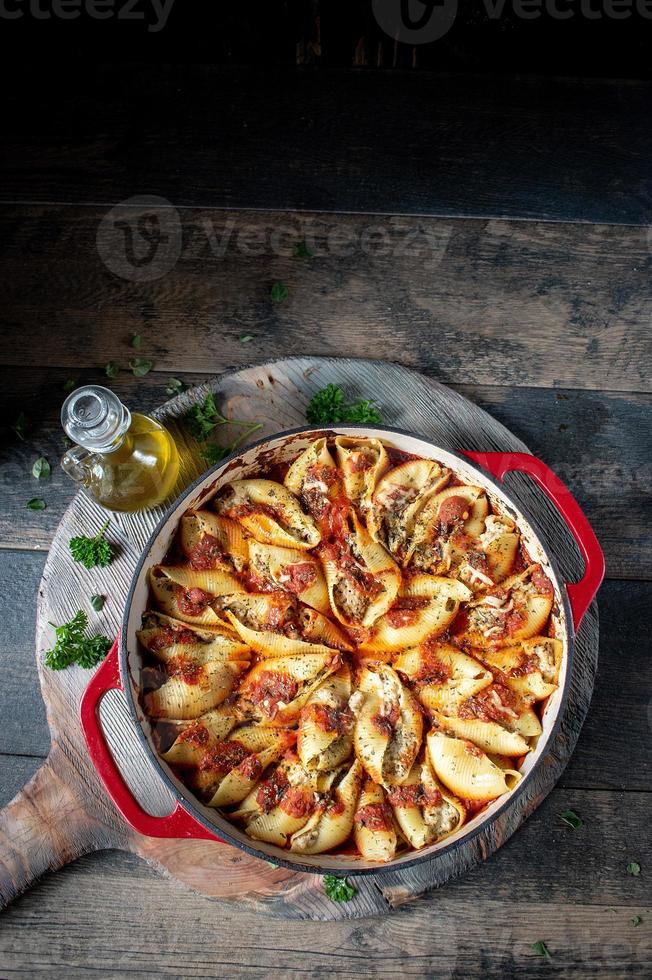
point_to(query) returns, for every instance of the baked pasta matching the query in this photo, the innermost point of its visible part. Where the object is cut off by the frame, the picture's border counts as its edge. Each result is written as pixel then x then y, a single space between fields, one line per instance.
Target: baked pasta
pixel 350 656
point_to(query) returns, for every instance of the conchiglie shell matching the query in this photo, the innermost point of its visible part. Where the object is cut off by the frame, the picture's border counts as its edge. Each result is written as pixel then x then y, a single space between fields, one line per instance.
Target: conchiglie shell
pixel 431 620
pixel 328 829
pixel 387 757
pixel 222 644
pixel 289 528
pixel 178 699
pixel 465 675
pixel 536 610
pixel 235 786
pixel 429 514
pixel 488 735
pixel 315 455
pixel 409 817
pixel 274 564
pixel 215 582
pixel 447 816
pixel 397 499
pixel 374 845
pixel 527 724
pixel 316 628
pixel 308 671
pixel 215 724
pixel 362 462
pixel 499 542
pixel 277 826
pixel 228 534
pixel 317 748
pixel 466 770
pixel 369 743
pixel 270 645
pixel 533 685
pixel 163 590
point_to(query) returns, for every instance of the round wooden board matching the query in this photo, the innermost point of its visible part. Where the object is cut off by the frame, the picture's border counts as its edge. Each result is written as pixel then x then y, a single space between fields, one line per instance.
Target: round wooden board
pixel 64 812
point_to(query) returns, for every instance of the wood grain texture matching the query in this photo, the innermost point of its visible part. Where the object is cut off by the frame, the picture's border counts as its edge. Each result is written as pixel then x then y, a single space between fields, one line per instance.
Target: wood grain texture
pixel 276 394
pixel 599 443
pixel 484 302
pixel 558 149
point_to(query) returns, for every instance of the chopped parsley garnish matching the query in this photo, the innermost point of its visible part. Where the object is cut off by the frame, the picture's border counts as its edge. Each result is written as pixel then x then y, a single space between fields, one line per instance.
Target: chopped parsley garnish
pixel 175 386
pixel 74 647
pixel 36 503
pixel 92 552
pixel 542 949
pixel 112 369
pixel 204 418
pixel 41 469
pixel 634 868
pixel 140 367
pixel 279 292
pixel 328 407
pixel 97 602
pixel 636 920
pixel 571 819
pixel 338 889
pixel 136 341
pixel 301 251
pixel 214 454
pixel 246 338
pixel 21 426
pixel 69 385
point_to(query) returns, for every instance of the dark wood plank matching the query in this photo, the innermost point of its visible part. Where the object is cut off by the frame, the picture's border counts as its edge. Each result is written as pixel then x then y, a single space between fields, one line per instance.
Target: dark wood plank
pixel 575 432
pixel 569 889
pixel 347 141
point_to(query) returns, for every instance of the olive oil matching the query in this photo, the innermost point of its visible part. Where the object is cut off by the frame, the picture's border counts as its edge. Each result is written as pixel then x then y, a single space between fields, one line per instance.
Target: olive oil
pixel 126 462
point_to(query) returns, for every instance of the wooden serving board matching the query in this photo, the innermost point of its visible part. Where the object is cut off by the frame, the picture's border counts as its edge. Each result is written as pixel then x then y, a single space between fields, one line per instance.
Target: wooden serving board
pixel 63 812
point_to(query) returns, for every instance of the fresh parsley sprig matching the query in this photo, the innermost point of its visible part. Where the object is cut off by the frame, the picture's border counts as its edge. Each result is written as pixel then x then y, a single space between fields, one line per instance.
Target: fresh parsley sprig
pixel 92 552
pixel 72 646
pixel 338 889
pixel 205 418
pixel 328 407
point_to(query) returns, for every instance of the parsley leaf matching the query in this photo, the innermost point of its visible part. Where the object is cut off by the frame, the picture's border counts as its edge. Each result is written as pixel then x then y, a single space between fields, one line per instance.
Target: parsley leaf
pixel 112 369
pixel 21 426
pixel 140 367
pixel 328 407
pixel 246 338
pixel 542 949
pixel 338 889
pixel 634 868
pixel 636 920
pixel 69 385
pixel 175 386
pixel 203 418
pixel 214 454
pixel 73 646
pixel 301 251
pixel 571 819
pixel 136 341
pixel 97 602
pixel 41 469
pixel 92 552
pixel 279 292
pixel 36 503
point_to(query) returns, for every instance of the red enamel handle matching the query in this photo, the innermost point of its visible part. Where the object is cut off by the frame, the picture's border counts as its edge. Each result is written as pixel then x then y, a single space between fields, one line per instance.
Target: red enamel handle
pixel 177 824
pixel 582 593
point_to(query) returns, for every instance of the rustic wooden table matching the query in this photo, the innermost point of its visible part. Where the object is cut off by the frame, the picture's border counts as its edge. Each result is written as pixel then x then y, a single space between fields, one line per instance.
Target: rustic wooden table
pixel 544 323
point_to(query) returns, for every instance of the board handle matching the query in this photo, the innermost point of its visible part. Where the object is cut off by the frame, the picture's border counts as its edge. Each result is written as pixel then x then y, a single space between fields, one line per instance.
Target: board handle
pixel 179 823
pixel 582 593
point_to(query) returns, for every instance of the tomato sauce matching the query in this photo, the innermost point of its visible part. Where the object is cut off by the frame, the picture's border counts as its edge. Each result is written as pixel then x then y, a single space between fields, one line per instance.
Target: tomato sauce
pixel 168 637
pixel 271 791
pixel 494 703
pixel 300 576
pixel 187 669
pixel 329 719
pixel 297 802
pixel 195 735
pixel 271 687
pixel 386 723
pixel 207 554
pixel 224 757
pixel 374 816
pixel 405 611
pixel 192 602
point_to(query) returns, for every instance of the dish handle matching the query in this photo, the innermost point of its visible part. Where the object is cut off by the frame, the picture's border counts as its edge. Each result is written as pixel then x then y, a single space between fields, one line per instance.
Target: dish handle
pixel 582 593
pixel 179 823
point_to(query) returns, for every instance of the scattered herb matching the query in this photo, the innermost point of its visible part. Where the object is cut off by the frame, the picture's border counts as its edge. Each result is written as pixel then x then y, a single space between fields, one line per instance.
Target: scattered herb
pixel 112 369
pixel 541 949
pixel 338 889
pixel 41 469
pixel 301 251
pixel 69 385
pixel 140 367
pixel 136 341
pixel 634 868
pixel 36 503
pixel 97 602
pixel 571 818
pixel 279 292
pixel 246 338
pixel 73 646
pixel 328 407
pixel 204 418
pixel 92 552
pixel 213 454
pixel 636 920
pixel 21 425
pixel 175 386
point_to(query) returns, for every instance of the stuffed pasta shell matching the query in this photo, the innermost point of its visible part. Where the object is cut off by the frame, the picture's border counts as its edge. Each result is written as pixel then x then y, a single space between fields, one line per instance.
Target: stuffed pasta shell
pixel 269 513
